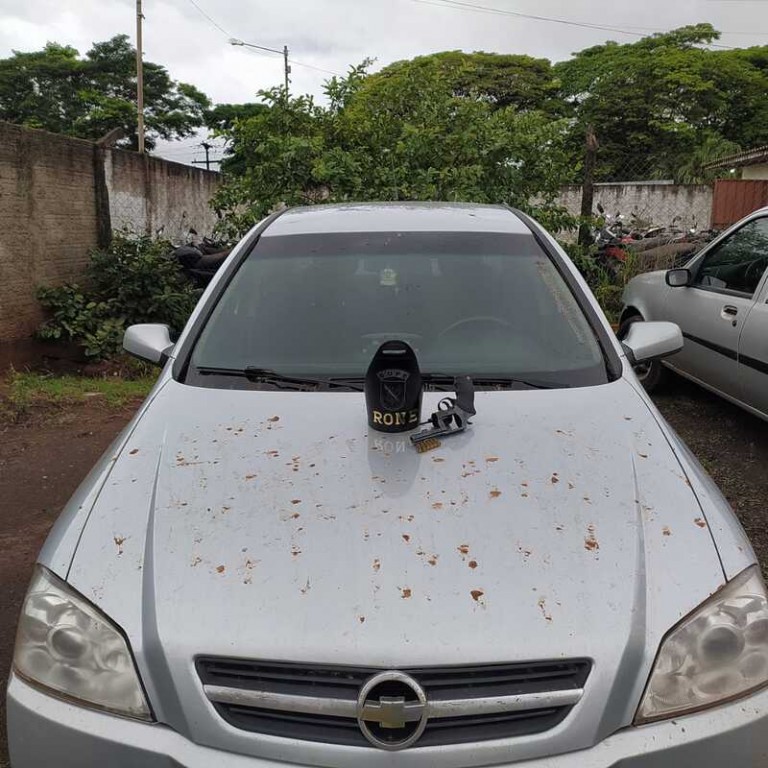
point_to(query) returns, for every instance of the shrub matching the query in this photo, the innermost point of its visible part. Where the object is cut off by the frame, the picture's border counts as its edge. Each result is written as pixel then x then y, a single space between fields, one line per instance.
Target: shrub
pixel 133 281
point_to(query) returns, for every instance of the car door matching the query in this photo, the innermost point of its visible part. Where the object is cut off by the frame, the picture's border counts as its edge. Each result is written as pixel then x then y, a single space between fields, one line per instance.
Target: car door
pixel 712 310
pixel 753 353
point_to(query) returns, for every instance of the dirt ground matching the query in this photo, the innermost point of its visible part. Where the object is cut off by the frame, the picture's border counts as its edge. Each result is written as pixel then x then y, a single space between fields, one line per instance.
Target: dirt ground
pixel 42 460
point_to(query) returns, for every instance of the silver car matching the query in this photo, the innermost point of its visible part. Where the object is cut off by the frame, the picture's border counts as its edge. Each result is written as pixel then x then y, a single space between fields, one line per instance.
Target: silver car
pixel 720 302
pixel 252 576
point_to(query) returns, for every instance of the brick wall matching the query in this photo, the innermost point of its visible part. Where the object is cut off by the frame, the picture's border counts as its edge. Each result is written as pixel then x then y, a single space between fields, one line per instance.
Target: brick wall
pixel 47 219
pixel 52 211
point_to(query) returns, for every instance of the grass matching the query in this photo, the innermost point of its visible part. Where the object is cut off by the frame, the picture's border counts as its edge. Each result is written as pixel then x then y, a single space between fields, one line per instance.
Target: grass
pixel 22 391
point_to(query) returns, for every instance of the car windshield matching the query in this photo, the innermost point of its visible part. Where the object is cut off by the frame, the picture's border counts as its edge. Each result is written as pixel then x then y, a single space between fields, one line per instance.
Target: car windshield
pixel 481 304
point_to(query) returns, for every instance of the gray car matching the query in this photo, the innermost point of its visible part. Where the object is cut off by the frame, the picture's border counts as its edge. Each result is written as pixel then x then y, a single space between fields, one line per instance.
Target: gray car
pixel 720 301
pixel 253 576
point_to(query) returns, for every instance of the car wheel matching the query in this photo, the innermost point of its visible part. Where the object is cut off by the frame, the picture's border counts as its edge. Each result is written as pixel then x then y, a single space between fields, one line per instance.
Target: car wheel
pixel 652 375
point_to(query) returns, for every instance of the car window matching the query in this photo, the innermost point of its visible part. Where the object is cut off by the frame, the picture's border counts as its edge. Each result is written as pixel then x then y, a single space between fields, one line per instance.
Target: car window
pixel 474 303
pixel 738 263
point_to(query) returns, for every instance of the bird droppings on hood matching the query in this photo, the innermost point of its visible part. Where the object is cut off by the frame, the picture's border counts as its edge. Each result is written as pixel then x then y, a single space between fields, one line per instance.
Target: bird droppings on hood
pixel 437 505
pixel 196 560
pixel 477 594
pixel 558 527
pixel 366 534
pixel 571 486
pixel 432 559
pixel 463 549
pixel 406 538
pixel 587 499
pixel 405 592
pixel 563 433
pixel 472 564
pixel 491 459
pixel 273 419
pixel 295 551
pixel 494 493
pixel 543 609
pixel 554 479
pixel 642 455
pixel 306 588
pixel 133 452
pixel 526 553
pixel 666 531
pixel 295 501
pixel 590 542
pixel 248 566
pixel 119 541
pixel 376 565
pixel 249 477
pixel 408 519
pixel 361 619
pixel 700 522
pixel 220 569
pixel 437 459
pixel 272 454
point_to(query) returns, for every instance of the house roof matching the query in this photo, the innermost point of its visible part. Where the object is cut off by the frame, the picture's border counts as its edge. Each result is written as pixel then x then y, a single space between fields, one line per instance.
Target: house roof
pixel 749 157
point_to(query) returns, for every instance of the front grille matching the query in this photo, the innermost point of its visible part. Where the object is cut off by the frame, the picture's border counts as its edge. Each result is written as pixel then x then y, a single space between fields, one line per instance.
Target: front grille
pixel 341 685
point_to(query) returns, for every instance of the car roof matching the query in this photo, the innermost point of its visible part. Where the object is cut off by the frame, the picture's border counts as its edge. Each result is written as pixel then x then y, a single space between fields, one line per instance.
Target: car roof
pixel 397 217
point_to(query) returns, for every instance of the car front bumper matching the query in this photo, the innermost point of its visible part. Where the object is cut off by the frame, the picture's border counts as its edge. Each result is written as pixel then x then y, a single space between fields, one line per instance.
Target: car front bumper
pixel 45 731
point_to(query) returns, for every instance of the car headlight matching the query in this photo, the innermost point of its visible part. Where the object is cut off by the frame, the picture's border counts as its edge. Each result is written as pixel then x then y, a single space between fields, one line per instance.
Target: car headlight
pixel 717 653
pixel 66 645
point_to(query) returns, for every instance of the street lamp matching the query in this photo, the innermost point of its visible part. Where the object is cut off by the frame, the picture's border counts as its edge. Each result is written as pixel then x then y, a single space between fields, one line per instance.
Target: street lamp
pixel 284 52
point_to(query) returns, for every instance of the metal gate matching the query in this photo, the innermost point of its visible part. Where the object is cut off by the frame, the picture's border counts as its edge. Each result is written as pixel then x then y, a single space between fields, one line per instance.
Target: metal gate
pixel 734 199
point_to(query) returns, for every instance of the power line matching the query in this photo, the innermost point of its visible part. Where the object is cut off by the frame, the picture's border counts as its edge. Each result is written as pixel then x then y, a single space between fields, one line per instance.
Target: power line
pixel 291 59
pixel 264 48
pixel 464 6
pixel 210 19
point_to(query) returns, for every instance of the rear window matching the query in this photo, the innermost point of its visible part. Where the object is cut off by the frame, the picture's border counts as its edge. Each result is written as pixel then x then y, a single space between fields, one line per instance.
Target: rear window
pixel 468 303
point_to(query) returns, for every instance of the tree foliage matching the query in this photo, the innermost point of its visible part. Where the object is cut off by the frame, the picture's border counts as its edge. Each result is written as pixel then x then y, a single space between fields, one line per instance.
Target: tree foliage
pixel 58 90
pixel 658 103
pixel 410 135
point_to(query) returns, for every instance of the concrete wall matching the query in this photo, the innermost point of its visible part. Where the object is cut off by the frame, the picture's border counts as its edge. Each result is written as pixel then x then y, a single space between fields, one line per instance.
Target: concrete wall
pixel 147 196
pixel 58 198
pixel 755 172
pixel 658 204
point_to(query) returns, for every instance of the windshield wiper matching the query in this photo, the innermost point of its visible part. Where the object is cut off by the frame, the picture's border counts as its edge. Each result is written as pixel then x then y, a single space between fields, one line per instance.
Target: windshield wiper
pixel 281 380
pixel 446 380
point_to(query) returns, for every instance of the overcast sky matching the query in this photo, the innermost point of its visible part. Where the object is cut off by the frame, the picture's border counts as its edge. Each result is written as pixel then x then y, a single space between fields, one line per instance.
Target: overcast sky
pixel 333 34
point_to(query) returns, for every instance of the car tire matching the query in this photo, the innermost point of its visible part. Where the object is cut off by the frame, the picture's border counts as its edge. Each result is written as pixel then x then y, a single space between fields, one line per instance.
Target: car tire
pixel 651 375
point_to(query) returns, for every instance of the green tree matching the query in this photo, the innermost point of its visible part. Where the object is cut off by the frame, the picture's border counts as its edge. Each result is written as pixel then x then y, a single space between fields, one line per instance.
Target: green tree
pixel 409 137
pixel 58 90
pixel 660 101
pixel 503 80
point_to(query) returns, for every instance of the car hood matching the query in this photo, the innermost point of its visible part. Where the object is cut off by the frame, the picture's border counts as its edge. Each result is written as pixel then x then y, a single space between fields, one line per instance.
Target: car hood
pixel 276 525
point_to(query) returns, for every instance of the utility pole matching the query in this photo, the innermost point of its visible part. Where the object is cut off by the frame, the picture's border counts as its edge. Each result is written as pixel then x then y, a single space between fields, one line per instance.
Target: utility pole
pixel 207 147
pixel 139 77
pixel 286 61
pixel 287 70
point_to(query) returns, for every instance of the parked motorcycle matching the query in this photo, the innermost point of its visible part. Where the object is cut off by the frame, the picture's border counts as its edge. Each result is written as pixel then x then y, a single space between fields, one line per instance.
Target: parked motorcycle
pixel 200 261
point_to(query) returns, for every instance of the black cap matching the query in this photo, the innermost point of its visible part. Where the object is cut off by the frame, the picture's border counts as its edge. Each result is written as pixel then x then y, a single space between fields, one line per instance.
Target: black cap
pixel 393 388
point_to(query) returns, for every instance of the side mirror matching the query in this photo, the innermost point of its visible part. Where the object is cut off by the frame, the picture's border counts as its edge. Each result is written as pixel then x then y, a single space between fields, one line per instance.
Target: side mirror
pixel 150 342
pixel 650 341
pixel 678 278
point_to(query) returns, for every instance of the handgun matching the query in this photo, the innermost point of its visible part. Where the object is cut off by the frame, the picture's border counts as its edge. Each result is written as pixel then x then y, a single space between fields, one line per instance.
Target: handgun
pixel 450 418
